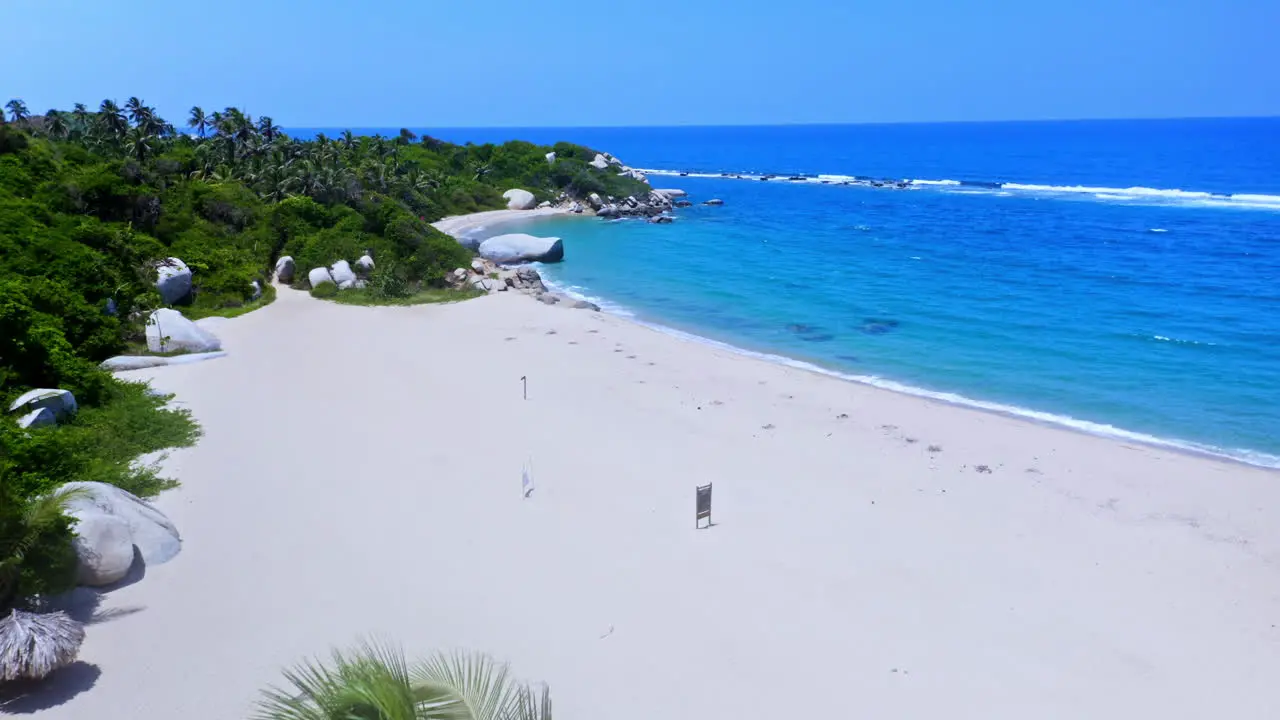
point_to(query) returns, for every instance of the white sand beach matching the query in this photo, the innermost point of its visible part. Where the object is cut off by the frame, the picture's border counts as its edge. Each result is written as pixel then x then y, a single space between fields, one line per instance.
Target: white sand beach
pixel 460 225
pixel 874 555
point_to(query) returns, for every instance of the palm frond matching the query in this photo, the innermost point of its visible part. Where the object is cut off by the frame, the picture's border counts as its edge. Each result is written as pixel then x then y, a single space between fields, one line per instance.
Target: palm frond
pixel 458 686
pixel 32 645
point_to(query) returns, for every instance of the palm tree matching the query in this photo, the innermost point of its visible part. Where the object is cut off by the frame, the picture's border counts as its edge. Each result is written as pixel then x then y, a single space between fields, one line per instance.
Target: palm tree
pixel 138 143
pixel 111 119
pixel 267 128
pixel 81 115
pixel 17 110
pixel 376 683
pixel 198 121
pixel 27 525
pixel 134 107
pixel 55 124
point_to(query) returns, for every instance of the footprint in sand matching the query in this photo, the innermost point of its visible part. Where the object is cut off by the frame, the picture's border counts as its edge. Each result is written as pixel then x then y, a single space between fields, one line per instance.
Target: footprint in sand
pixel 770 426
pixel 716 402
pixel 508 339
pixel 631 357
pixel 551 332
pixel 573 342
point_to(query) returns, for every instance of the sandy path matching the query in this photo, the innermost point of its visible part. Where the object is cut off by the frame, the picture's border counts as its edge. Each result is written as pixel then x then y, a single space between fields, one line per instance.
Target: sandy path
pixel 360 474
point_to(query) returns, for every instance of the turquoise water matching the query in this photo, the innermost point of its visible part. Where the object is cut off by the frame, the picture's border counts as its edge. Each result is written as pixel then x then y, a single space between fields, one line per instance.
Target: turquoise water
pixel 1119 277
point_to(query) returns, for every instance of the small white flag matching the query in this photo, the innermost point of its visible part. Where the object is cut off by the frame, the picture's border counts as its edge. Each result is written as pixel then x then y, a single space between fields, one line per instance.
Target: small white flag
pixel 526 483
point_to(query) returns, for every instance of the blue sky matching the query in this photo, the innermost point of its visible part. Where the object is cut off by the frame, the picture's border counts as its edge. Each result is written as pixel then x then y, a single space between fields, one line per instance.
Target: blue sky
pixel 553 63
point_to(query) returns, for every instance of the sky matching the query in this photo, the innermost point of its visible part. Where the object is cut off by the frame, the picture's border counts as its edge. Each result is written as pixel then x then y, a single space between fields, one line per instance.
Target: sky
pixel 516 63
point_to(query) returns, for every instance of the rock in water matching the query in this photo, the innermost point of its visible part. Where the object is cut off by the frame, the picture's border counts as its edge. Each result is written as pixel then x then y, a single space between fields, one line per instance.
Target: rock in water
pixel 519 247
pixel 285 269
pixel 518 199
pixel 342 275
pixel 319 276
pixel 169 331
pixel 671 193
pixel 59 402
pixel 713 201
pixel 173 281
pixel 150 531
pixel 104 549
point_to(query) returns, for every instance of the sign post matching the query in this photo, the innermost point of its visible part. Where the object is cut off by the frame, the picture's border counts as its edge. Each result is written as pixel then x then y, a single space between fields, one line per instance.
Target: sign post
pixel 702 506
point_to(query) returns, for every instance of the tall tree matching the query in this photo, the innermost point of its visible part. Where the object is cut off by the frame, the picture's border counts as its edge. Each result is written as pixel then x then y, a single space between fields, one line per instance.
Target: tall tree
pixel 198 121
pixel 267 128
pixel 55 124
pixel 134 107
pixel 111 119
pixel 17 110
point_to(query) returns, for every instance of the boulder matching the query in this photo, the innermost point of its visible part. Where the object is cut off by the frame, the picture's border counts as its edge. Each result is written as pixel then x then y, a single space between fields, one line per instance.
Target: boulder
pixel 255 290
pixel 60 403
pixel 527 278
pixel 661 219
pixel 671 193
pixel 149 530
pixel 458 277
pixel 173 280
pixel 518 199
pixel 551 157
pixel 519 247
pixel 489 285
pixel 319 276
pixel 548 298
pixel 544 204
pixel 596 202
pixel 600 162
pixel 342 274
pixel 575 207
pixel 285 269
pixel 37 418
pixel 104 549
pixel 365 263
pixel 583 305
pixel 478 267
pixel 607 211
pixel 682 204
pixel 169 331
pixel 713 201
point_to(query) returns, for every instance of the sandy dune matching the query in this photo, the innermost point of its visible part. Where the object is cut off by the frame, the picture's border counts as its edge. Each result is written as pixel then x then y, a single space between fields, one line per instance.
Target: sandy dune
pixel 360 474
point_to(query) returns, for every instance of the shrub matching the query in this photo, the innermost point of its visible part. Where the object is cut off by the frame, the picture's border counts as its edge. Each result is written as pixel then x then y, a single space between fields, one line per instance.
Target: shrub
pixel 388 282
pixel 325 291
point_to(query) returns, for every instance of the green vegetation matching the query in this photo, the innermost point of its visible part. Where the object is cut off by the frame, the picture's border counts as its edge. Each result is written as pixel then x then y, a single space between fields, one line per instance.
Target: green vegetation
pixel 376 682
pixel 423 296
pixel 92 199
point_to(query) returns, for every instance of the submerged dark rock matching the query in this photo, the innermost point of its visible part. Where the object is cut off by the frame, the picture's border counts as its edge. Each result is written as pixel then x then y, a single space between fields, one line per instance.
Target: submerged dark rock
pixel 878 326
pixel 810 333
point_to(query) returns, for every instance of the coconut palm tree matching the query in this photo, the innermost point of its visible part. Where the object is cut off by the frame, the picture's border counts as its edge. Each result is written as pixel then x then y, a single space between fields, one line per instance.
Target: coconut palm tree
pixel 17 110
pixel 138 143
pixel 55 124
pixel 267 128
pixel 376 682
pixel 26 526
pixel 197 120
pixel 111 119
pixel 133 106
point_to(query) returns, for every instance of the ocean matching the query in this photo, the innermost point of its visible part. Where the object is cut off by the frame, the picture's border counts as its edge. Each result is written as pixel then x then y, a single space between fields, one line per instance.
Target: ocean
pixel 1118 277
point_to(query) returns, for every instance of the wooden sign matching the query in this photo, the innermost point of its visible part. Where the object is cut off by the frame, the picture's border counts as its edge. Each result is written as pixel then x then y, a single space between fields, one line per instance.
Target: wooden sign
pixel 702 506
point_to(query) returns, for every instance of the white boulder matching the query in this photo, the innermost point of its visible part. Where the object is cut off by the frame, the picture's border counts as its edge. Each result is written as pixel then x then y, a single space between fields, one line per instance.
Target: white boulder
pixel 255 288
pixel 342 274
pixel 544 204
pixel 59 402
pixel 518 199
pixel 489 285
pixel 600 162
pixel 169 331
pixel 365 263
pixel 150 531
pixel 575 207
pixel 104 549
pixel 319 276
pixel 173 280
pixel 551 157
pixel 37 418
pixel 285 269
pixel 596 202
pixel 519 247
pixel 478 266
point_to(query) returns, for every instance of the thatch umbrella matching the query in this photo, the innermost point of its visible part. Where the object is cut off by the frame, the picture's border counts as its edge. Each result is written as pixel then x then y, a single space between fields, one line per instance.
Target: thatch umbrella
pixel 32 645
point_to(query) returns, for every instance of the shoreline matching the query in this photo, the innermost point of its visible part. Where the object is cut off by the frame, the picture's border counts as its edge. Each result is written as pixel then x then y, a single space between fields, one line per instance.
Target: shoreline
pixel 462 225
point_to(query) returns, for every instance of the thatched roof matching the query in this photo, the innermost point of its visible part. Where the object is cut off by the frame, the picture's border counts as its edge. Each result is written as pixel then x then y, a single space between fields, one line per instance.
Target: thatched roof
pixel 32 645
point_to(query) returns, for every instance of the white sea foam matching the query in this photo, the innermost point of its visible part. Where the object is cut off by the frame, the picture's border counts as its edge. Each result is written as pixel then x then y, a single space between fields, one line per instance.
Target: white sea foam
pixel 1158 230
pixel 1138 193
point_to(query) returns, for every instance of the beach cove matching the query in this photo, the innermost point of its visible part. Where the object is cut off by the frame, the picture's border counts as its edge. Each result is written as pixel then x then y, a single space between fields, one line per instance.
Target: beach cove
pixel 871 550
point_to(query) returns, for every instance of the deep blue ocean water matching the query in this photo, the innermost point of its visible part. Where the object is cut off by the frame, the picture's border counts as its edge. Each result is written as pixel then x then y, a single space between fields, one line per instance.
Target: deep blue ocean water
pixel 1116 276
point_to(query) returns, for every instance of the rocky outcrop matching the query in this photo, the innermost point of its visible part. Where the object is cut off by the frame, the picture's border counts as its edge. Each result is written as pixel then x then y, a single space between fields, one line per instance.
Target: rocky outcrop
pixel 60 403
pixel 671 193
pixel 520 248
pixel 342 275
pixel 549 298
pixel 600 162
pixel 39 417
pixel 518 199
pixel 169 331
pixel 285 269
pixel 111 523
pixel 173 281
pixel 527 279
pixel 488 284
pixel 319 276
